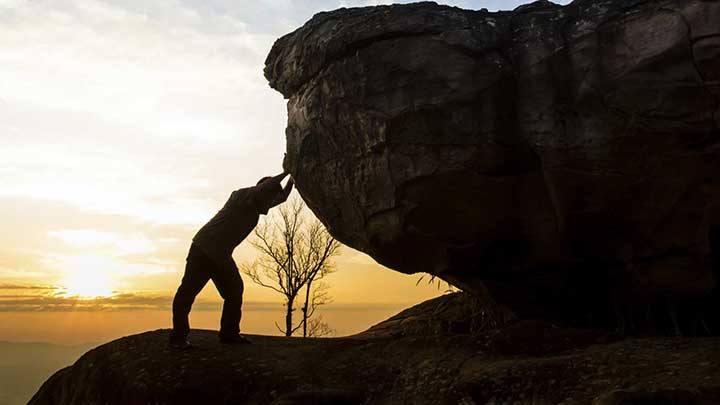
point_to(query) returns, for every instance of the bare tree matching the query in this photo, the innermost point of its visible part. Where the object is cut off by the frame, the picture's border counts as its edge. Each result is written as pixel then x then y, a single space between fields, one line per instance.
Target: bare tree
pixel 316 261
pixel 318 328
pixel 295 251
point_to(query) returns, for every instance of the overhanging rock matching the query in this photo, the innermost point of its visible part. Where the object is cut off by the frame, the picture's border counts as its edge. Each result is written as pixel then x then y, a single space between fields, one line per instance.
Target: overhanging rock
pixel 561 156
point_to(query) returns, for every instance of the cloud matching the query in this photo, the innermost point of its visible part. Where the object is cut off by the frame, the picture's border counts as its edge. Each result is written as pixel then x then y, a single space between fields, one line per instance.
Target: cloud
pixel 8 286
pixel 118 243
pixel 139 301
pixel 131 109
pixel 59 303
pixel 58 244
pixel 107 269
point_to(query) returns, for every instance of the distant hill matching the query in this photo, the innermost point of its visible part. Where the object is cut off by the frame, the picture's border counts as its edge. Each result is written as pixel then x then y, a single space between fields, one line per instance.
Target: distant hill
pixel 25 366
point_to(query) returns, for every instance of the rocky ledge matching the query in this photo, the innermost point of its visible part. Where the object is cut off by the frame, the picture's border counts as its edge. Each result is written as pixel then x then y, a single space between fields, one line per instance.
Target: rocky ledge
pixel 443 351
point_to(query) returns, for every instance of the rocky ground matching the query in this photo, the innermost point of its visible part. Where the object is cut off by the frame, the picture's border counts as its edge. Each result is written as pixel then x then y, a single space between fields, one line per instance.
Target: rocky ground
pixel 425 355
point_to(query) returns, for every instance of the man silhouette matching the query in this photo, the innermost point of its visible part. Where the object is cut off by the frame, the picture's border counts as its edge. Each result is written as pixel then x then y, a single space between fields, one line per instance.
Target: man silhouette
pixel 210 258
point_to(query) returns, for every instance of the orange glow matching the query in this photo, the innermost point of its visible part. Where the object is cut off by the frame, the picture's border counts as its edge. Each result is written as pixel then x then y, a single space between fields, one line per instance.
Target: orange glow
pixel 88 283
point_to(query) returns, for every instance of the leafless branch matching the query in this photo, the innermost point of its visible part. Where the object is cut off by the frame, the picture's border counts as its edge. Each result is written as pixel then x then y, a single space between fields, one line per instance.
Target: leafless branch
pixel 295 251
pixel 318 328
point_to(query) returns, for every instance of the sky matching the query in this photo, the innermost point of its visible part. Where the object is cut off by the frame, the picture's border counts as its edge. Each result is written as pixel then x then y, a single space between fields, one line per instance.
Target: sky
pixel 124 126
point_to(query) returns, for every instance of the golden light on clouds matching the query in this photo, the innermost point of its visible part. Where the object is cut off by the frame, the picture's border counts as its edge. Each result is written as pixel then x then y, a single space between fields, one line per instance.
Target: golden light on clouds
pixel 89 282
pixel 124 126
pixel 120 244
pixel 101 267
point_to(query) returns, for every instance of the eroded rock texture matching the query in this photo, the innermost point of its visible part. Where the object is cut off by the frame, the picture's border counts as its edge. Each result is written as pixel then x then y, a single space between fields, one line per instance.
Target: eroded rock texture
pixel 564 157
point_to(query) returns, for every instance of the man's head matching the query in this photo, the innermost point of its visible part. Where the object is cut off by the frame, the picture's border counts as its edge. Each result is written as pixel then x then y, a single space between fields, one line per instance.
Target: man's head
pixel 265 196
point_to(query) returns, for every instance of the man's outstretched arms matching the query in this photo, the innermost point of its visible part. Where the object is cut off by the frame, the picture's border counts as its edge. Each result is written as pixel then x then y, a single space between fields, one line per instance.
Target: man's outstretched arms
pixel 271 191
pixel 284 194
pixel 268 185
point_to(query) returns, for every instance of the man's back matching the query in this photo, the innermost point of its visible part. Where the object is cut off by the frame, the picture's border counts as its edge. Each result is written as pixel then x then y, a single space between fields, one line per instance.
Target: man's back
pixel 237 218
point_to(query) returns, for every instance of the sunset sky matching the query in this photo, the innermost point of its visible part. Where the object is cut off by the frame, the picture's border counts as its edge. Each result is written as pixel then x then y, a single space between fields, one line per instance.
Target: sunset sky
pixel 124 126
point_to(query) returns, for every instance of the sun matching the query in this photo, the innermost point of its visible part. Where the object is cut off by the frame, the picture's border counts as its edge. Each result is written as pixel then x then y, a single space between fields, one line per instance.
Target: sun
pixel 88 284
pixel 88 287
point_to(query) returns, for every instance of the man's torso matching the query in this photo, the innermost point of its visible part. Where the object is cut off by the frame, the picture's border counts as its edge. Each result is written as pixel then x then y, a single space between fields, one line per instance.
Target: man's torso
pixel 230 226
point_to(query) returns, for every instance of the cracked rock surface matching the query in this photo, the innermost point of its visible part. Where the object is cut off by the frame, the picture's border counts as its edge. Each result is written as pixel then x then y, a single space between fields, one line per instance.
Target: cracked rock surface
pixel 554 155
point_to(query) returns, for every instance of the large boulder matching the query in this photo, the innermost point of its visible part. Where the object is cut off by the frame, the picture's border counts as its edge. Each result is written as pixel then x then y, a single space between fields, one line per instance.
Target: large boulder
pixel 559 155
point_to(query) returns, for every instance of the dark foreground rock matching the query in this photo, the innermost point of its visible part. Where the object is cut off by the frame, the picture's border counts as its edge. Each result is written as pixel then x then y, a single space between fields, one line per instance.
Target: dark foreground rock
pixel 422 356
pixel 564 157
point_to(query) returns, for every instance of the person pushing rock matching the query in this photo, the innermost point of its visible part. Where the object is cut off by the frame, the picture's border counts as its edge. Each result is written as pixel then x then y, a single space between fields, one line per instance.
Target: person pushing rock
pixel 210 258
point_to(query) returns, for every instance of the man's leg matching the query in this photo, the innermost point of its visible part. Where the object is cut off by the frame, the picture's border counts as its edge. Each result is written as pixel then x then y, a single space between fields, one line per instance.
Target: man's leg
pixel 197 274
pixel 230 286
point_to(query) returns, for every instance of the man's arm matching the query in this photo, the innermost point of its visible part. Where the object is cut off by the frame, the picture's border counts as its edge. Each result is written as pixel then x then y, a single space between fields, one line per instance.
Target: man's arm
pixel 271 183
pixel 283 196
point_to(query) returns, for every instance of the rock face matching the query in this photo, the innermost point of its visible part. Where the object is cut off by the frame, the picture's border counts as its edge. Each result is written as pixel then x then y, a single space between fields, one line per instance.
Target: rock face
pixel 396 362
pixel 560 156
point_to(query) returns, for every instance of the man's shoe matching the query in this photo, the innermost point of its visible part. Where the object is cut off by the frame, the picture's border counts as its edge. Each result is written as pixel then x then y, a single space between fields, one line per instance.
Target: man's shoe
pixel 181 344
pixel 234 340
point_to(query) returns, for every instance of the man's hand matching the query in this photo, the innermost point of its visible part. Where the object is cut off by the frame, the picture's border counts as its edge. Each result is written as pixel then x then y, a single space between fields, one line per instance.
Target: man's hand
pixel 277 179
pixel 286 191
pixel 268 187
pixel 286 164
pixel 284 194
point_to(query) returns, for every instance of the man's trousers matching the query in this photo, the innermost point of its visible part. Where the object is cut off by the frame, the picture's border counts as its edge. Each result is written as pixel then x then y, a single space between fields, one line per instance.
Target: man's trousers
pixel 199 269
